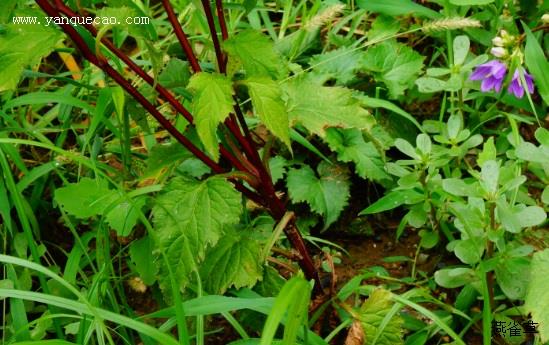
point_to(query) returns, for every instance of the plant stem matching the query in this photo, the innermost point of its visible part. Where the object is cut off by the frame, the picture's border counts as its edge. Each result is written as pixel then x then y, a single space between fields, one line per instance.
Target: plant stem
pixel 213 31
pixel 181 36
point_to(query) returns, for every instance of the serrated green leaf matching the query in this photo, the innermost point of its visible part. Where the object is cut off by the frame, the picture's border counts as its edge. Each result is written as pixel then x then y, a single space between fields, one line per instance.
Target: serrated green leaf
pixel 395 64
pixel 255 52
pixel 371 315
pixel 189 217
pixel 340 64
pixel 351 147
pixel 277 166
pixel 23 45
pixel 212 104
pixel 319 107
pixel 86 198
pixel 267 100
pixel 175 75
pixel 537 295
pixel 234 261
pixel 326 195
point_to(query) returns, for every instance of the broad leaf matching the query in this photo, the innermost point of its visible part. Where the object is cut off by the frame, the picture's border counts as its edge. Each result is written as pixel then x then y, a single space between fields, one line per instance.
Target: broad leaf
pixel 351 147
pixel 212 103
pixel 395 64
pixel 189 217
pixel 22 46
pixel 537 64
pixel 319 107
pixel 373 312
pixel 141 252
pixel 513 275
pixel 455 277
pixel 86 198
pixel 124 216
pixel 234 261
pixel 255 52
pixel 267 100
pixel 340 64
pixel 327 195
pixel 537 296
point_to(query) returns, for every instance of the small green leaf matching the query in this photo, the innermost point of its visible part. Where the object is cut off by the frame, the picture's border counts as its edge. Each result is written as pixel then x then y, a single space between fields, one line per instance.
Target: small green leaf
pixel 393 200
pixel 327 195
pixel 430 85
pixel 429 239
pixel 175 76
pixel 266 98
pixel 234 261
pixel 405 147
pixel 488 152
pixel 461 48
pixel 86 198
pixel 339 64
pixel 489 176
pixel 212 104
pixel 469 251
pixel 455 277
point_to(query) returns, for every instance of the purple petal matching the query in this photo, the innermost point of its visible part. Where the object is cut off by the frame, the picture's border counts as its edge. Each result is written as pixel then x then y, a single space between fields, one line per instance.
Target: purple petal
pixel 498 83
pixel 499 71
pixel 515 87
pixel 480 73
pixel 529 82
pixel 487 84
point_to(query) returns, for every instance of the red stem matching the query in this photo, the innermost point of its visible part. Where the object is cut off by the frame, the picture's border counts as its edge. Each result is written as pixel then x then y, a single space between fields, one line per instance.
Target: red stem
pixel 161 90
pixel 181 36
pixel 103 64
pixel 213 31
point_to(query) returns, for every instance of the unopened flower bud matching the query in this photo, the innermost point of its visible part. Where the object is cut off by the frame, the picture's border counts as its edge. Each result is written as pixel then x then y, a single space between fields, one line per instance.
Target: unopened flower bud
pixel 545 18
pixel 497 41
pixel 498 52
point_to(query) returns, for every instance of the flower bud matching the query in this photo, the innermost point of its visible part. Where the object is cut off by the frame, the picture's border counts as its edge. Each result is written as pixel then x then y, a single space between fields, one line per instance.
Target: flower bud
pixel 545 18
pixel 497 41
pixel 499 52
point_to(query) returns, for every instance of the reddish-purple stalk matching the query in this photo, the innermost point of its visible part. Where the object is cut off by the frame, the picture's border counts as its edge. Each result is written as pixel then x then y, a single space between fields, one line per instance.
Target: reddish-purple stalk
pixel 267 193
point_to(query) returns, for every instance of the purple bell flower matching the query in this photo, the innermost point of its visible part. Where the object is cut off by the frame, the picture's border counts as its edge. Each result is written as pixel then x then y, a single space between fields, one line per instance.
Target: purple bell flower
pixel 516 87
pixel 491 73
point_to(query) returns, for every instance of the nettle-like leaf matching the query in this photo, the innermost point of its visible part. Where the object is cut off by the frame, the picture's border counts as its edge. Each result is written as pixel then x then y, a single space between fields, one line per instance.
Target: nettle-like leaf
pixel 537 295
pixel 267 100
pixel 22 46
pixel 327 194
pixel 340 64
pixel 373 311
pixel 92 197
pixel 395 64
pixel 189 217
pixel 212 104
pixel 234 261
pixel 255 53
pixel 319 107
pixel 351 147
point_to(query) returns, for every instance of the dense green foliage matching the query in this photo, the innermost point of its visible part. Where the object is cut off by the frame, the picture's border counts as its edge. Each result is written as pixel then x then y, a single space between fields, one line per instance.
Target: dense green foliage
pixel 157 184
